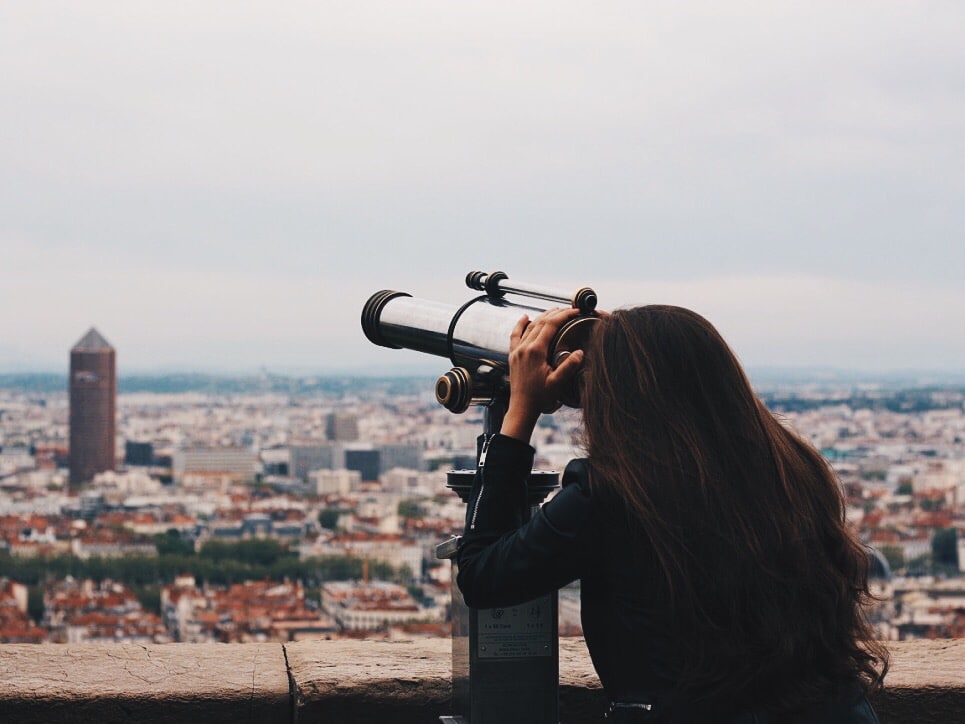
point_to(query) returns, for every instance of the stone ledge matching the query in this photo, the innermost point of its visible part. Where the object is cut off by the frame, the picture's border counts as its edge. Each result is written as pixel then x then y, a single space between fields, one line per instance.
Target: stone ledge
pixel 213 683
pixel 351 681
pixel 370 681
pixel 925 684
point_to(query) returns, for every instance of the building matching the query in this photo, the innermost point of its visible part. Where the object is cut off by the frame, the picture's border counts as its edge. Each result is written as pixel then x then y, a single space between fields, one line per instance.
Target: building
pixel 276 461
pixel 105 612
pixel 389 548
pixel 400 456
pixel 365 460
pixel 93 399
pixel 407 482
pixel 230 462
pixel 252 611
pixel 138 453
pixel 15 625
pixel 303 459
pixel 342 427
pixel 369 606
pixel 335 482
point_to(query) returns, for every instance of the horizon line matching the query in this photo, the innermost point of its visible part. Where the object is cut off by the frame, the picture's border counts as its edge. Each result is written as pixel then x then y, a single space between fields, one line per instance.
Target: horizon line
pixel 394 371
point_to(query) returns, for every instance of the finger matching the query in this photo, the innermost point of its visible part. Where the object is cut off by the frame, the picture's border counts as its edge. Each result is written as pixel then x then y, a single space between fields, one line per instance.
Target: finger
pixel 550 323
pixel 567 366
pixel 553 318
pixel 557 313
pixel 517 334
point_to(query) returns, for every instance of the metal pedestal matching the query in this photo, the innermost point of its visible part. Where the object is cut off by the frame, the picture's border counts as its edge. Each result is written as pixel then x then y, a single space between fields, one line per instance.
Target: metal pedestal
pixel 505 661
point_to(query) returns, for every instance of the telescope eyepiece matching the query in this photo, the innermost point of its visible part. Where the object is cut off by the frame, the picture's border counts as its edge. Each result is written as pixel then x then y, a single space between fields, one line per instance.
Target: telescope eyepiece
pixel 585 300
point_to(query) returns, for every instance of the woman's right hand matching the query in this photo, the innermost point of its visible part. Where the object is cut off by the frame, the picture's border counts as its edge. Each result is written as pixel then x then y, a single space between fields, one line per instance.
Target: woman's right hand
pixel 534 385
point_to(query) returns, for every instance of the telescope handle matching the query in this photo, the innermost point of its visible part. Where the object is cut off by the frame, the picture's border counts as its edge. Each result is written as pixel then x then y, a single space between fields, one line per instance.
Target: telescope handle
pixel 497 284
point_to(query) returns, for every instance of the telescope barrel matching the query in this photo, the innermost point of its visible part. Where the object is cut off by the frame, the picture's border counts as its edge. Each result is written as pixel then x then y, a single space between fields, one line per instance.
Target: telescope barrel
pixel 474 333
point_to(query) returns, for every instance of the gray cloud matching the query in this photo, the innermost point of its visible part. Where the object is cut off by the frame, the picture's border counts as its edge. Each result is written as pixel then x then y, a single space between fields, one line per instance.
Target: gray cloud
pixel 246 151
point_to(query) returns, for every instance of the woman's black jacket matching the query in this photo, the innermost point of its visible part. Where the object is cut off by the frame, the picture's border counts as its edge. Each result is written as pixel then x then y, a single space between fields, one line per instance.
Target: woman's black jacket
pixel 504 562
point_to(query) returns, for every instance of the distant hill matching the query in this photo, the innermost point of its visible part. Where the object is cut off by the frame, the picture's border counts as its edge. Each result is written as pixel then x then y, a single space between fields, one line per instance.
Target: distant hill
pixel 893 379
pixel 764 379
pixel 34 382
pixel 225 385
pixel 911 399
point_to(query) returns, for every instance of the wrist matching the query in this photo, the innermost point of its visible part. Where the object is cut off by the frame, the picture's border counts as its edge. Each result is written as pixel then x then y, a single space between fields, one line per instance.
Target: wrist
pixel 519 423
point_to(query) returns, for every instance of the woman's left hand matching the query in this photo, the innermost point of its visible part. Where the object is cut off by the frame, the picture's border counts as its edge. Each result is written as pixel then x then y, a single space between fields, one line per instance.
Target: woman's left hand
pixel 534 385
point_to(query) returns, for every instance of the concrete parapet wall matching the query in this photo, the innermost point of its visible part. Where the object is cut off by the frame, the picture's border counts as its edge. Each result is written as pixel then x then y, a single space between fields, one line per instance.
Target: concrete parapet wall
pixel 351 681
pixel 134 683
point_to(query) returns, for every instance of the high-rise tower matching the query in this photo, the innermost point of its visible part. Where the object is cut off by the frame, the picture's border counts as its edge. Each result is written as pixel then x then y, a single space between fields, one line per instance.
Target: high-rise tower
pixel 93 390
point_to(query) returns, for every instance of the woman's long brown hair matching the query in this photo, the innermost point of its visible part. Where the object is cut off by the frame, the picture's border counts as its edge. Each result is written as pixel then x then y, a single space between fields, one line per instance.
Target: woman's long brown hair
pixel 763 581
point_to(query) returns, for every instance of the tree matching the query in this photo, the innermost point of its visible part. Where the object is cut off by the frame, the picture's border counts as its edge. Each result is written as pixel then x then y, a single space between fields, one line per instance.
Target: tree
pixel 417 592
pixel 895 555
pixel 149 597
pixel 35 602
pixel 904 489
pixel 944 547
pixel 218 563
pixel 920 565
pixel 171 543
pixel 930 505
pixel 328 518
pixel 254 551
pixel 410 508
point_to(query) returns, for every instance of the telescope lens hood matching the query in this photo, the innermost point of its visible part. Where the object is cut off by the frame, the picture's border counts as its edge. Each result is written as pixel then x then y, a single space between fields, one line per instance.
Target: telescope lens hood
pixel 371 313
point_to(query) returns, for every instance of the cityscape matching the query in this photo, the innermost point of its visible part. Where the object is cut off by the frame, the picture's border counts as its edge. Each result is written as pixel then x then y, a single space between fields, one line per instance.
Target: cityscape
pixel 184 508
pixel 222 500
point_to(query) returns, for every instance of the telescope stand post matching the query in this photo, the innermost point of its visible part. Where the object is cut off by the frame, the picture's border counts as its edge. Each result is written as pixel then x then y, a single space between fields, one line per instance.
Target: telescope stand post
pixel 505 661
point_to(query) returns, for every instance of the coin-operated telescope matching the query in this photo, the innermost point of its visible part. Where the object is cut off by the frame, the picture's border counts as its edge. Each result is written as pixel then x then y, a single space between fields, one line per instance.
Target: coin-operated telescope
pixel 505 662
pixel 475 336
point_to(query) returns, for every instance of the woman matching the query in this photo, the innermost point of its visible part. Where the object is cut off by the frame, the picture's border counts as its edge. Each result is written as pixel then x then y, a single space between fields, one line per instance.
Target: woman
pixel 718 579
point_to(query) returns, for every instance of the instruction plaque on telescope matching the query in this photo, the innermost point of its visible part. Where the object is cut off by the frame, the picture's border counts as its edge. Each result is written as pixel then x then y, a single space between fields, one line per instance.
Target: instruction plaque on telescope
pixel 525 630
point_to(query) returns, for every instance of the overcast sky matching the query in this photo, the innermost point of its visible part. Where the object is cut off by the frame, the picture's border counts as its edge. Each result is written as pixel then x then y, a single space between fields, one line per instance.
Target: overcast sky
pixel 221 185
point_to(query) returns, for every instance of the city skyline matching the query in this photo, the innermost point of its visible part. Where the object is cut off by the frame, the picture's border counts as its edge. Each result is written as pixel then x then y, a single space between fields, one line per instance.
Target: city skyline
pixel 223 187
pixel 266 488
